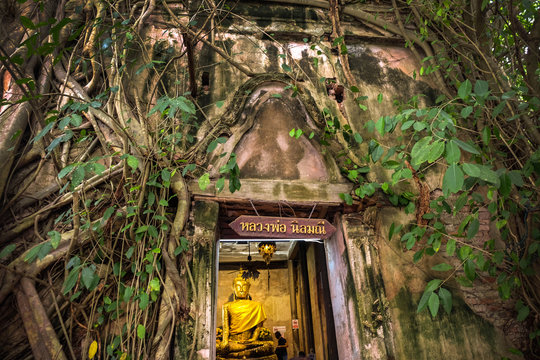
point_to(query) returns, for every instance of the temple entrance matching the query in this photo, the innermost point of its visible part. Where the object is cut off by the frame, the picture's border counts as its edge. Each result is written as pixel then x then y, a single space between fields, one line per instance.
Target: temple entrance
pixel 292 287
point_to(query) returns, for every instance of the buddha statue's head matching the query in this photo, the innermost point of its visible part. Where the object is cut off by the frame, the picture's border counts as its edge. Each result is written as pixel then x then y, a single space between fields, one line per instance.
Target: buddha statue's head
pixel 241 287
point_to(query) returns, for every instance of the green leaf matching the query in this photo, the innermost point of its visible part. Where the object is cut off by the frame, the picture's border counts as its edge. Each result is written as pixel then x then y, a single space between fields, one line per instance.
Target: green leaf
pixel 154 284
pixel 470 269
pixel 377 152
pixel 77 176
pixel 433 285
pixel 380 98
pixel 7 250
pixel 515 177
pixel 220 184
pixel 166 175
pixel 424 301
pixel 98 168
pixel 466 111
pixel 44 250
pixel 286 67
pixel 418 255
pixel 498 109
pixel 55 238
pixel 66 170
pixel 108 213
pixel 347 198
pixel 143 301
pixel 204 181
pixel 163 202
pixel 473 228
pixel 420 125
pixel 220 103
pixel 465 89
pixel 523 313
pixel 505 185
pixel 212 146
pixel 128 292
pixel 393 230
pixel 407 124
pixel 418 152
pixel 433 304
pixel 446 299
pixel 132 162
pixel 73 262
pixel 466 146
pixel 450 247
pixel 410 242
pixel 489 175
pixel 141 331
pixel 453 180
pixel 45 130
pixel 184 246
pixel 152 231
pixel 71 280
pixel 481 88
pixel 40 250
pixel 87 276
pixel 453 154
pixel 189 167
pixel 442 267
pixel 380 125
pixel 471 169
pixel 76 119
pixel 435 151
pixel 354 89
pixel 27 23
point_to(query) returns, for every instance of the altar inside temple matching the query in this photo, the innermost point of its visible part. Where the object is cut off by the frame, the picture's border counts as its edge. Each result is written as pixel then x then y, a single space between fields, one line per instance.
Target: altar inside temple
pixel 292 288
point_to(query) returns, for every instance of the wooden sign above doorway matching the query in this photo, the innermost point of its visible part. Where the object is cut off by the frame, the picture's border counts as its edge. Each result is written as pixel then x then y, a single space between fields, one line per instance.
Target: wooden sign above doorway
pixel 282 228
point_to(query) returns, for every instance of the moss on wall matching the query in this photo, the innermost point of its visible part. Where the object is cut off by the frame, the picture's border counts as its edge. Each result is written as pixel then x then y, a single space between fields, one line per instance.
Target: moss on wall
pixel 458 335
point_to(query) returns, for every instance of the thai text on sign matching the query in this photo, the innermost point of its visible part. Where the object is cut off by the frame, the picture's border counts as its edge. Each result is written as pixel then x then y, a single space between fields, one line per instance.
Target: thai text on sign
pixel 277 227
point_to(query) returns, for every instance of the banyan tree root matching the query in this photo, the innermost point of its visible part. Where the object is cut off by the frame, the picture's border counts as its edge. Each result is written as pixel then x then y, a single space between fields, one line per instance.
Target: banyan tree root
pixel 20 266
pixel 173 284
pixel 40 332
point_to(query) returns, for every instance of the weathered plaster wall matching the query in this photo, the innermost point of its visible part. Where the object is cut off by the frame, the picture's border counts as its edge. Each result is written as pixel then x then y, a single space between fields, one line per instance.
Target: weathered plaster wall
pixel 375 292
pixel 279 156
pixel 462 334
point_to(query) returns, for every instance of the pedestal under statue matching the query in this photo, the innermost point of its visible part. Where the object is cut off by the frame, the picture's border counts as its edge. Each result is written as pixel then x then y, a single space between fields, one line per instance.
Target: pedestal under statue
pixel 243 335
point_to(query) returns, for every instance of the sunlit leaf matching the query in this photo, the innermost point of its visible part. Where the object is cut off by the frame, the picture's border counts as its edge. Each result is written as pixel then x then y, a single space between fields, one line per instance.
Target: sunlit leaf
pixel 92 350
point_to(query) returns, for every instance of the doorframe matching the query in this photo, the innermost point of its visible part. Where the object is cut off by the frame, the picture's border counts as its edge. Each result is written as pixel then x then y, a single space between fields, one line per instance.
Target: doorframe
pixel 215 269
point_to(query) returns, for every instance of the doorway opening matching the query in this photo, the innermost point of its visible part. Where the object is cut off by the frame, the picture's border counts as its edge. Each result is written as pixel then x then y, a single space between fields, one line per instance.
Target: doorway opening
pixel 292 288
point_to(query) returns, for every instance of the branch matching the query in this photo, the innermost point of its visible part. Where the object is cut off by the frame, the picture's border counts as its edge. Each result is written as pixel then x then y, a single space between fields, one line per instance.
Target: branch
pixel 237 65
pixel 20 266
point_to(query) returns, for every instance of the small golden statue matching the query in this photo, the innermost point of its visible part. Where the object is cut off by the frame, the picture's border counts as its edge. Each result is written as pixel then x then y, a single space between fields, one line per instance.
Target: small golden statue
pixel 243 335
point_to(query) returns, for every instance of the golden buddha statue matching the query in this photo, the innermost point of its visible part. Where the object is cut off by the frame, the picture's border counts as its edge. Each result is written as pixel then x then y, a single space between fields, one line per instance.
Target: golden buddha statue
pixel 243 335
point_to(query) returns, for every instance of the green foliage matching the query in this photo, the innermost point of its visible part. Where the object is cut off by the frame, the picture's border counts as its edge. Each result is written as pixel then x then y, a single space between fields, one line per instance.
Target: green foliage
pixel 475 133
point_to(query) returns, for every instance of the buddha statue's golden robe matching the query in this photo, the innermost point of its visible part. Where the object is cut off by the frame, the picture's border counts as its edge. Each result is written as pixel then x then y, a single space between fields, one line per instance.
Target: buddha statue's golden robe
pixel 244 315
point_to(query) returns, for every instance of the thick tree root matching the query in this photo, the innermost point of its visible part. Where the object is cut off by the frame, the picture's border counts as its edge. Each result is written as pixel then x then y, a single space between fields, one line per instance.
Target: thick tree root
pixel 173 284
pixel 40 332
